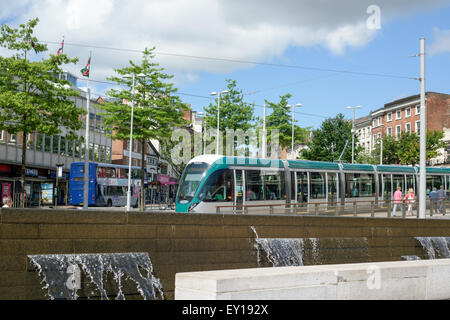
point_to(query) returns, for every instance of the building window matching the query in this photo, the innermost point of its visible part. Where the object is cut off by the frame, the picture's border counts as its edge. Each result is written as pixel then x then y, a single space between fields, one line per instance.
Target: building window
pixel 418 109
pixel 374 139
pixel 389 131
pixel 1 135
pixel 398 130
pixel 380 121
pixel 417 129
pixel 389 116
pixel 374 123
pixel 12 138
pixel 398 114
pixel 407 112
pixel 408 127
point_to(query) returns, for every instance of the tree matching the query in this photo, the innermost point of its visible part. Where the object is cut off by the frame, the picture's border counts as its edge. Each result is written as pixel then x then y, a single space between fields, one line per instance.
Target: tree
pixel 157 111
pixel 235 113
pixel 390 151
pixel 33 98
pixel 281 119
pixel 329 141
pixel 406 149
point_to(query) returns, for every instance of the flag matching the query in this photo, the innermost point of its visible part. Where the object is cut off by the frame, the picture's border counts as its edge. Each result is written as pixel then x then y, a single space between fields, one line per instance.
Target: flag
pixel 60 50
pixel 85 70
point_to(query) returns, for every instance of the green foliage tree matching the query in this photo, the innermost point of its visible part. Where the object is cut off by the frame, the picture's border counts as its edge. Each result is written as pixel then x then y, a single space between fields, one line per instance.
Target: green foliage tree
pixel 329 141
pixel 157 110
pixel 281 119
pixel 406 149
pixel 33 98
pixel 235 113
pixel 390 151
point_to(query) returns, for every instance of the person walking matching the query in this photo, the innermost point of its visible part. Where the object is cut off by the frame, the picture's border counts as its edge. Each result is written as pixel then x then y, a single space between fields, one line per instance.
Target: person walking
pixel 410 199
pixel 441 198
pixel 433 201
pixel 398 200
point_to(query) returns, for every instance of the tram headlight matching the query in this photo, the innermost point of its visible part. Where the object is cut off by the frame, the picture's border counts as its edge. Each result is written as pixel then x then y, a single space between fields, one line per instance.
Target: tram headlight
pixel 192 206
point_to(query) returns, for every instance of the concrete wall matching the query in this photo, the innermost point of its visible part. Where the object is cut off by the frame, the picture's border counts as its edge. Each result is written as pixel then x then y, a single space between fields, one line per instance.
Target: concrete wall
pixel 399 280
pixel 191 242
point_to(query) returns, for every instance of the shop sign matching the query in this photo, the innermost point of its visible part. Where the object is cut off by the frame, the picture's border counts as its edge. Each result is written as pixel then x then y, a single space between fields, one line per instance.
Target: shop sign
pixel 5 168
pixel 31 172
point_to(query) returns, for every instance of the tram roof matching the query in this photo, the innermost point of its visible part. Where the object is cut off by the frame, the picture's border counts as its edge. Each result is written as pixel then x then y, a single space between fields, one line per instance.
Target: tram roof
pixel 357 167
pixel 391 168
pixel 306 164
pixel 251 162
pixel 436 170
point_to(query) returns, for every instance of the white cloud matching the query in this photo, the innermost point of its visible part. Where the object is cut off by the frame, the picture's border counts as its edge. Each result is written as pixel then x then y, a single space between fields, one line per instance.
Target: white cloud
pixel 250 30
pixel 441 42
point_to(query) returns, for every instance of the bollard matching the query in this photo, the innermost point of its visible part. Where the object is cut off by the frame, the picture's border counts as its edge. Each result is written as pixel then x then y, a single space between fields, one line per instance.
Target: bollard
pixel 271 209
pixel 403 209
pixel 372 209
pixel 316 210
pixel 354 209
pixel 217 209
pixel 389 208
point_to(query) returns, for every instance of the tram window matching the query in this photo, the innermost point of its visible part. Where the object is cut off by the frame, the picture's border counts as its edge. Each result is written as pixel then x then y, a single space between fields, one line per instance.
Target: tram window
pixel 255 185
pixel 218 187
pixel 274 185
pixel 292 185
pixel 434 182
pixel 302 187
pixel 409 182
pixel 317 185
pixel 359 185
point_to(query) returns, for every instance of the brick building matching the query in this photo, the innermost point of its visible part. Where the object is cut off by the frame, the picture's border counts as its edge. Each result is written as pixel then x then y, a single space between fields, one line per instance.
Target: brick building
pixel 403 115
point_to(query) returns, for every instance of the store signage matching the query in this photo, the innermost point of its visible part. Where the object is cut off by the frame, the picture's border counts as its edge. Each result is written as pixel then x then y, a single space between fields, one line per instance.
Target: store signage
pixel 5 168
pixel 31 172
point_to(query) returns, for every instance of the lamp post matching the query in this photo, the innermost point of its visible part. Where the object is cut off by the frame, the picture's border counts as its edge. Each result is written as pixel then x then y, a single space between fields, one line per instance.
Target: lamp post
pixel 59 167
pixel 218 116
pixel 133 77
pixel 202 115
pixel 353 131
pixel 293 110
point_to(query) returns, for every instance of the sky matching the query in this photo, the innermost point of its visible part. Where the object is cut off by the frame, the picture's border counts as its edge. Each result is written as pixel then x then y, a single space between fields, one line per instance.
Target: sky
pixel 327 54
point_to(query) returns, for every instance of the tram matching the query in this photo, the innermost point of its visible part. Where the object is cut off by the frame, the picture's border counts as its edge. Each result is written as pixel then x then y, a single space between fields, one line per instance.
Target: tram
pixel 211 181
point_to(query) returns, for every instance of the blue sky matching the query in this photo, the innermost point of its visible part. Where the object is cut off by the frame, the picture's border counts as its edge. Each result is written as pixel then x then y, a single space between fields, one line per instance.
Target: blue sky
pixel 319 34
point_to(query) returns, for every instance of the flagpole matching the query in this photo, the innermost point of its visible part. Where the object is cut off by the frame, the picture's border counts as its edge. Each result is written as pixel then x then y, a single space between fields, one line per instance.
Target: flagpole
pixel 86 143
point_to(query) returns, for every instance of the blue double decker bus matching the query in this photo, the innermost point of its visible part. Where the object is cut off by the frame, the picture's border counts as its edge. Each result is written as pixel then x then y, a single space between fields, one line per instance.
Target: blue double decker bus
pixel 108 184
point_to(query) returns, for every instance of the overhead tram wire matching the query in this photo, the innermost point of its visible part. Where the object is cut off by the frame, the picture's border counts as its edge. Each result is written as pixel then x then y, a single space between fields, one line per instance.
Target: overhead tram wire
pixel 239 61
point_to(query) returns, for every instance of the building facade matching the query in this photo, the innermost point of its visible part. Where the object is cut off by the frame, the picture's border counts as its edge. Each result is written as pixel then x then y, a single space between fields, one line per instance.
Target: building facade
pixel 45 152
pixel 363 128
pixel 403 115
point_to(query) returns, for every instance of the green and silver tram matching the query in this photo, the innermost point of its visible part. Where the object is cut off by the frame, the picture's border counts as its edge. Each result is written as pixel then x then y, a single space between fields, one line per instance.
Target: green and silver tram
pixel 209 181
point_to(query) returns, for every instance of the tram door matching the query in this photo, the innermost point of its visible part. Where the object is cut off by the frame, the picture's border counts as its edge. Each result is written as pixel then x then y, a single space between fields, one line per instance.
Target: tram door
pixel 332 182
pixel 239 187
pixel 302 187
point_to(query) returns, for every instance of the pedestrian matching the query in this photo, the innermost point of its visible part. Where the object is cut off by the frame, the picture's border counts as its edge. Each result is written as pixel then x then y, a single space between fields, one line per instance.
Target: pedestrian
pixel 441 198
pixel 7 202
pixel 433 200
pixel 398 200
pixel 410 199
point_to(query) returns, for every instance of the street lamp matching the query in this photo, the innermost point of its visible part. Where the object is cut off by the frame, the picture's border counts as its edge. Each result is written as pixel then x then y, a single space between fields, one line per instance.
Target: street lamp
pixel 218 116
pixel 133 76
pixel 353 131
pixel 293 110
pixel 202 114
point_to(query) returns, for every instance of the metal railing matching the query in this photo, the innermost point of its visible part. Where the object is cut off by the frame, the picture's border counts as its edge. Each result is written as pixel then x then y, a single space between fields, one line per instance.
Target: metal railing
pixel 366 208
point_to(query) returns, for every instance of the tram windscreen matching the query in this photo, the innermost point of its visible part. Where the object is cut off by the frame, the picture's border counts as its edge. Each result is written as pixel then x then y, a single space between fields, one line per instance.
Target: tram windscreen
pixel 191 180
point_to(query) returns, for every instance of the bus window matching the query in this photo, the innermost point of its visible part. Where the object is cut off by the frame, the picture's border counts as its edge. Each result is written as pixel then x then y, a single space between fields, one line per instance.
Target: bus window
pixel 317 185
pixel 359 185
pixel 218 187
